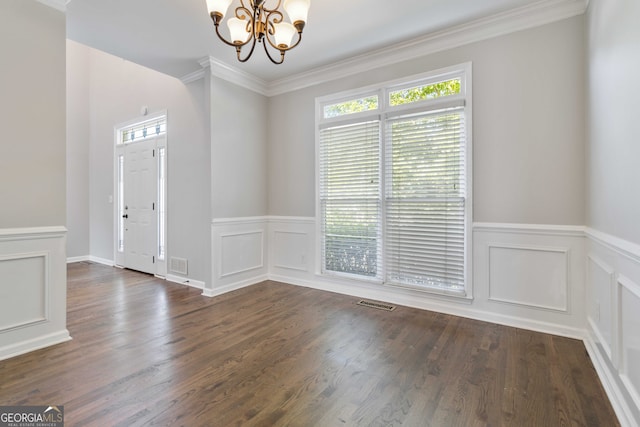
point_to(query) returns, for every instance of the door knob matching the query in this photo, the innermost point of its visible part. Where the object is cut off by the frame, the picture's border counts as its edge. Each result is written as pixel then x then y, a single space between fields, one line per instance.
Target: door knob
pixel 125 216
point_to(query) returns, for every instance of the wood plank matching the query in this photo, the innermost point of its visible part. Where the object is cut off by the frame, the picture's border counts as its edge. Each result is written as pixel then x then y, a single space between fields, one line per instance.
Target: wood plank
pixel 147 352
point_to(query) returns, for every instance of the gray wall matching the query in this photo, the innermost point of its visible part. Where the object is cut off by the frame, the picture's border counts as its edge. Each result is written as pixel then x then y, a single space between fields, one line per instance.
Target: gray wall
pixel 528 127
pixel 613 201
pixel 238 151
pixel 117 91
pixel 32 115
pixel 78 138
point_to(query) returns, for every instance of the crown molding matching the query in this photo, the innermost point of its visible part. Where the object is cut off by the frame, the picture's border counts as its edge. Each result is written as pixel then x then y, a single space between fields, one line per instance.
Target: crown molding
pixel 522 18
pixel 192 77
pixel 61 5
pixel 235 75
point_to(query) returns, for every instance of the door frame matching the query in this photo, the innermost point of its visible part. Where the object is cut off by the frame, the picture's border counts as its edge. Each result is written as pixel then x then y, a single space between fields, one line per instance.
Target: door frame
pixel 160 264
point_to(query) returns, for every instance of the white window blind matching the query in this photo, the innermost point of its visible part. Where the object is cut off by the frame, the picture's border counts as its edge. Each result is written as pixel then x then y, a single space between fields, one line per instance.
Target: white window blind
pixel 350 198
pixel 425 200
pixel 394 202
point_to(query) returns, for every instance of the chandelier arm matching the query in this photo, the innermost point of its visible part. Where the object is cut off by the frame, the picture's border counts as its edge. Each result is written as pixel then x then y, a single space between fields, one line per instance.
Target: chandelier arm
pixel 269 55
pixel 246 58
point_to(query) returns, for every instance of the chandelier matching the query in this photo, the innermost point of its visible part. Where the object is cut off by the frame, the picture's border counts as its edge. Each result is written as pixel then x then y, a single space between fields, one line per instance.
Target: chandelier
pixel 255 22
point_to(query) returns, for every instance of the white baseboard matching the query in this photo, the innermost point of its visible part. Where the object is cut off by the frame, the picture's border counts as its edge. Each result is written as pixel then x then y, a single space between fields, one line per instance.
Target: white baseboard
pixel 185 281
pixel 460 308
pixel 34 344
pixel 71 260
pixel 607 378
pixel 103 261
pixel 234 286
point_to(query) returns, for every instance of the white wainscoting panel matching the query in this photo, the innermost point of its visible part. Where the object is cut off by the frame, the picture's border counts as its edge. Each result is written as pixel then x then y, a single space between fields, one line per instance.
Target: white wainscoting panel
pixel 529 276
pixel 291 246
pixel 239 254
pixel 290 250
pixel 600 309
pixel 629 294
pixel 33 289
pixel 531 273
pixel 613 331
pixel 547 296
pixel 23 290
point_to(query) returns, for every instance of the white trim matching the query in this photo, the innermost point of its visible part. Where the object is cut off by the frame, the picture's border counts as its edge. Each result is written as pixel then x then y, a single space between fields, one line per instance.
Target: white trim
pixel 608 347
pixel 234 75
pixel 35 242
pixel 74 259
pixel 596 331
pixel 629 284
pixel 38 343
pixel 440 305
pixel 193 77
pixel 185 281
pixel 234 286
pixel 275 232
pixel 240 220
pixel 102 261
pixel 518 19
pixel 46 292
pixel 522 18
pixel 610 385
pixel 247 269
pixel 567 290
pixel 544 229
pixel 292 219
pixel 60 5
pixel 623 257
pixel 620 246
pixel 32 233
pixel 631 389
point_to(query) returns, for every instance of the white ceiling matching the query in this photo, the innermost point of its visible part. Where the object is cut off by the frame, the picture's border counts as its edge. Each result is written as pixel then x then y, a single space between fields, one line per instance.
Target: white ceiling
pixel 171 36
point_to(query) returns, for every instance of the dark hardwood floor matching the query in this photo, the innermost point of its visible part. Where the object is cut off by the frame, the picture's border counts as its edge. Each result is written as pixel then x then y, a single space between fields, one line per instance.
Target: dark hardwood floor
pixel 149 352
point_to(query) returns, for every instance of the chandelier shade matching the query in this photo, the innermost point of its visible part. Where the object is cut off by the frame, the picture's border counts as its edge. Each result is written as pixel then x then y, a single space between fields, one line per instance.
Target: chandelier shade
pixel 253 21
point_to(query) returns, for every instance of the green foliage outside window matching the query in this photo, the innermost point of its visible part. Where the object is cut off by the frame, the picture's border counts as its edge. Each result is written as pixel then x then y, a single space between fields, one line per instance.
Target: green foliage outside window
pixel 350 107
pixel 420 93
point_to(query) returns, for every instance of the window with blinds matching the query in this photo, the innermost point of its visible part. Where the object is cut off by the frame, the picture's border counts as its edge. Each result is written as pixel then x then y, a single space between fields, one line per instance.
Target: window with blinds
pixel 393 183
pixel 350 198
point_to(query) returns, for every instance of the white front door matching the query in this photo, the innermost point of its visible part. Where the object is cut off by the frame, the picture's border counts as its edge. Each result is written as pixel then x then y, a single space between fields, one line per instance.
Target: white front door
pixel 140 188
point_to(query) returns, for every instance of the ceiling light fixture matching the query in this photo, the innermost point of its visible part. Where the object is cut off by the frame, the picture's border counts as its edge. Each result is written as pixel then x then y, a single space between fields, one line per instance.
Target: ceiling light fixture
pixel 259 23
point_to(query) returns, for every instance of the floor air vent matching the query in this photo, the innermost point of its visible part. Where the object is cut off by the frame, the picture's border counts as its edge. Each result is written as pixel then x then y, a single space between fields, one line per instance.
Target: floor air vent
pixel 378 305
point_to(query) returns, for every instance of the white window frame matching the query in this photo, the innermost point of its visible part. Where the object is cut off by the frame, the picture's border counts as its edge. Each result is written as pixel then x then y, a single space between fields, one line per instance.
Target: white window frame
pixel 384 110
